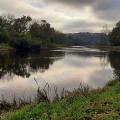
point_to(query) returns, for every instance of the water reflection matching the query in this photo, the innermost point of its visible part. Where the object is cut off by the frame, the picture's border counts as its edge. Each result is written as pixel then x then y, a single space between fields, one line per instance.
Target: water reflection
pixel 114 58
pixel 24 64
pixel 64 68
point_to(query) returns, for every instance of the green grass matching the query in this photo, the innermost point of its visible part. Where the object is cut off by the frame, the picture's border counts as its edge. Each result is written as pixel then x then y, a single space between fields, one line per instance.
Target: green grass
pixel 4 46
pixel 101 104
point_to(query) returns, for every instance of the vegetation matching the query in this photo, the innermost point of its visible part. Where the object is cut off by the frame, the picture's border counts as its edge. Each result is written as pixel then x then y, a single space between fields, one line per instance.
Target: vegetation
pixel 87 39
pixel 4 46
pixel 81 104
pixel 25 34
pixel 113 39
pixel 100 104
pixel 115 35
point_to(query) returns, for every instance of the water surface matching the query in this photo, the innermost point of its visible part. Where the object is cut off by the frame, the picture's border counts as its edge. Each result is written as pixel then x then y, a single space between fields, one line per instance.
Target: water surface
pixel 62 67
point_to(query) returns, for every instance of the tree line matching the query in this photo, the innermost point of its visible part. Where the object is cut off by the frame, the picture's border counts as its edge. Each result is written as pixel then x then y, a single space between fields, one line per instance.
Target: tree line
pixel 24 33
pixel 114 35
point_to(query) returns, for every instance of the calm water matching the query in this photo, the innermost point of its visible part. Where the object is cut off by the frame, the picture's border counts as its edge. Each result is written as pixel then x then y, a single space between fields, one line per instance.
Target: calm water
pixel 64 68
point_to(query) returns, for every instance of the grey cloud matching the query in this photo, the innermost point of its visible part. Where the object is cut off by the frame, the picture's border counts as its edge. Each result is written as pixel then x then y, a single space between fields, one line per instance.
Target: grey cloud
pixel 82 26
pixel 73 2
pixel 108 9
pixel 77 4
pixel 104 9
pixel 68 15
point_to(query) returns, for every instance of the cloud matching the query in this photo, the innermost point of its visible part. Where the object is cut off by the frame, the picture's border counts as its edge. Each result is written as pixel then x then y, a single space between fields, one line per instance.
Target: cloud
pixel 102 8
pixel 67 15
pixel 72 2
pixel 108 9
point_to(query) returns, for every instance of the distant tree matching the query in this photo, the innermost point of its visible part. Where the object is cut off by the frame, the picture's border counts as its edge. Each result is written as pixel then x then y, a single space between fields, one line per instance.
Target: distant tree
pixel 41 30
pixel 104 37
pixel 10 21
pixel 4 32
pixel 35 30
pixel 21 24
pixel 106 29
pixel 46 30
pixel 59 38
pixel 3 24
pixel 114 36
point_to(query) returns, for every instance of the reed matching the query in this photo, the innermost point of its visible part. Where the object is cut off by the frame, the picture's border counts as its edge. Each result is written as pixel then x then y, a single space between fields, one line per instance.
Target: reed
pixel 43 95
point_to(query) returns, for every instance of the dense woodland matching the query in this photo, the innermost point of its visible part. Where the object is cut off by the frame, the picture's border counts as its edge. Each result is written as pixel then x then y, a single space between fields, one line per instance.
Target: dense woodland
pixel 25 33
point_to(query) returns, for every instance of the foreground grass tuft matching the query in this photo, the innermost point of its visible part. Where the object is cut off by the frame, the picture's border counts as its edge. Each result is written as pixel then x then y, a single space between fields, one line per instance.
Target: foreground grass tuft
pixel 101 104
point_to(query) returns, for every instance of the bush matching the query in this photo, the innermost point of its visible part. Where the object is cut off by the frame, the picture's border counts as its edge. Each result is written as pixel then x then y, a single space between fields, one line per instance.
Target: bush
pixel 115 35
pixel 4 37
pixel 19 44
pixel 24 42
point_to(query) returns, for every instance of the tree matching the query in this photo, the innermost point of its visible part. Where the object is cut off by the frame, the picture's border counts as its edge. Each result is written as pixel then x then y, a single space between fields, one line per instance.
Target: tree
pixel 21 24
pixel 3 24
pixel 104 37
pixel 106 29
pixel 42 31
pixel 4 32
pixel 114 36
pixel 59 38
pixel 35 30
pixel 20 33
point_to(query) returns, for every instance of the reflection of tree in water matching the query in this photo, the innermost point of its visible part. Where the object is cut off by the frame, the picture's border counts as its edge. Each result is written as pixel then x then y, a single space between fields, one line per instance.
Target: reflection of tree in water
pixel 8 64
pixel 24 64
pixel 114 58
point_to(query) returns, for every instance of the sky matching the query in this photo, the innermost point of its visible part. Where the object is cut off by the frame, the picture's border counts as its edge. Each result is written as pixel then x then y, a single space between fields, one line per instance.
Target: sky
pixel 68 16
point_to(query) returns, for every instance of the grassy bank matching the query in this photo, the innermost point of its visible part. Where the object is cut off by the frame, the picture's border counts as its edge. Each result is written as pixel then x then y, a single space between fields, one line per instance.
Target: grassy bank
pixel 101 104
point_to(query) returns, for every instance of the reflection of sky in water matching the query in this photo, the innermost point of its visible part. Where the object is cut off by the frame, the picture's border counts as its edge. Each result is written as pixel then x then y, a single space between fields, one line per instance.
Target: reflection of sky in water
pixel 66 73
pixel 69 71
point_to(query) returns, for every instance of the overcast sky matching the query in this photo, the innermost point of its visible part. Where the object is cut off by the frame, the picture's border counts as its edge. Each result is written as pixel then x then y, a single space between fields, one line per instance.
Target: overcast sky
pixel 67 15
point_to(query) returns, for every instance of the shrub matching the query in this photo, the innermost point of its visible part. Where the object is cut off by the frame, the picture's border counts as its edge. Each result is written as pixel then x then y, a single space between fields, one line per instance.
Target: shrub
pixel 19 44
pixel 24 42
pixel 4 37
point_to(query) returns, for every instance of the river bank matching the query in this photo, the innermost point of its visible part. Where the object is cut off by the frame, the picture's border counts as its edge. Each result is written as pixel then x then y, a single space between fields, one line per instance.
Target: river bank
pixel 109 48
pixel 100 104
pixel 8 48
